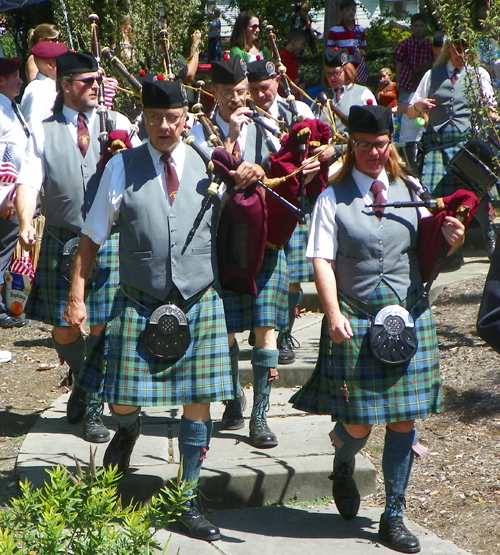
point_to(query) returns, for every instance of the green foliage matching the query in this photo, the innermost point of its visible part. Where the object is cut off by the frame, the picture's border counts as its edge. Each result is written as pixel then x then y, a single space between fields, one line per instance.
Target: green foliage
pixel 82 514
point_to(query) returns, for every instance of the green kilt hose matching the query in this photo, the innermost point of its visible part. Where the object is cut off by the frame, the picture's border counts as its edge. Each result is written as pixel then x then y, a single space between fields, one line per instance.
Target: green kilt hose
pixel 300 270
pixel 354 388
pixel 270 308
pixel 49 295
pixel 132 376
pixel 438 149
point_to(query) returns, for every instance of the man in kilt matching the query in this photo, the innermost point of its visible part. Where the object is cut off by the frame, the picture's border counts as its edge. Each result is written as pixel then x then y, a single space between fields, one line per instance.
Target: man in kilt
pixel 365 259
pixel 63 159
pixel 138 190
pixel 443 94
pixel 267 311
pixel 263 84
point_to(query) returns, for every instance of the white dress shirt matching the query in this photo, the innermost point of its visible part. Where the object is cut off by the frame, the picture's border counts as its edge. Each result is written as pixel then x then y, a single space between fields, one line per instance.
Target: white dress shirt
pixel 38 100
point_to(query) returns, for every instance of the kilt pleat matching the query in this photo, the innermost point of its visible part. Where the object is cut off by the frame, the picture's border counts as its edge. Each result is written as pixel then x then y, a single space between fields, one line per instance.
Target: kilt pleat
pixel 49 295
pixel 439 148
pixel 270 307
pixel 353 387
pixel 300 269
pixel 127 374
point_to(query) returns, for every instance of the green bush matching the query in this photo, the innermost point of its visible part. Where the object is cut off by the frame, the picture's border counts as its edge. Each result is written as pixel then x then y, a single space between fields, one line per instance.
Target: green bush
pixel 82 514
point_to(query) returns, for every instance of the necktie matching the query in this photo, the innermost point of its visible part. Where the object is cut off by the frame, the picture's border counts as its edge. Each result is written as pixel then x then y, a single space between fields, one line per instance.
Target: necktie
pixel 378 198
pixel 15 108
pixel 83 134
pixel 237 151
pixel 338 93
pixel 455 75
pixel 170 177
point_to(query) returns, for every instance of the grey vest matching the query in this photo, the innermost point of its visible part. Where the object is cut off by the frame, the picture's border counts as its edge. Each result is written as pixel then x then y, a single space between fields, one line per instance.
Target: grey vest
pixel 351 97
pixel 152 234
pixel 371 250
pixel 71 181
pixel 451 101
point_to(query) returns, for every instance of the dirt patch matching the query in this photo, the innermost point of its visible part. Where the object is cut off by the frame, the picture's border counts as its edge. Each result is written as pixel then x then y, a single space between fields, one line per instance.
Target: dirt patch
pixel 454 492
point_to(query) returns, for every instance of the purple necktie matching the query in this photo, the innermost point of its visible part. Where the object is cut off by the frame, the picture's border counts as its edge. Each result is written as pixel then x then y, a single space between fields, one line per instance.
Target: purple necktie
pixel 83 134
pixel 170 177
pixel 378 198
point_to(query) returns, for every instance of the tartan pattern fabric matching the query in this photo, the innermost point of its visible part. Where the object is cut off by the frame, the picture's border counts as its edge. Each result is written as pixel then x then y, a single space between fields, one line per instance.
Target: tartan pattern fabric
pixel 48 297
pixel 439 148
pixel 412 54
pixel 127 374
pixel 376 393
pixel 300 269
pixel 270 307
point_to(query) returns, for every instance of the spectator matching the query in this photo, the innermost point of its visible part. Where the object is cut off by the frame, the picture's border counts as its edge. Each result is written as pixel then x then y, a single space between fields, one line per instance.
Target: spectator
pixel 42 32
pixel 244 41
pixel 347 34
pixel 296 42
pixel 387 94
pixel 302 20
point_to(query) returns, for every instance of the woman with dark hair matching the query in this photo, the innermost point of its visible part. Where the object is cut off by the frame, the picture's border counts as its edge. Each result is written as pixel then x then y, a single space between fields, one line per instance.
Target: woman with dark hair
pixel 365 260
pixel 244 41
pixel 42 32
pixel 339 77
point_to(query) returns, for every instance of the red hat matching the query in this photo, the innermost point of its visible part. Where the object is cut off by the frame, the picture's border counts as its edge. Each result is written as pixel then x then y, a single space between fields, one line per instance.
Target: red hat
pixel 9 65
pixel 46 49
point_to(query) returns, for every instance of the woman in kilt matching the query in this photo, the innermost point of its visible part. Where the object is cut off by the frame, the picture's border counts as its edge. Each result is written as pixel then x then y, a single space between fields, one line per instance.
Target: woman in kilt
pixel 443 94
pixel 364 261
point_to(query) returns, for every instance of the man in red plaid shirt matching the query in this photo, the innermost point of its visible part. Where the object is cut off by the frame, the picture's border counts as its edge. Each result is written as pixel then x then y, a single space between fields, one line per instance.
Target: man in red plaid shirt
pixel 410 55
pixel 347 34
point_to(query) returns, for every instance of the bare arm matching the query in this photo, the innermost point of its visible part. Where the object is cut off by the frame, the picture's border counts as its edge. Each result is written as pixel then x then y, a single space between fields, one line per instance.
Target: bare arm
pixel 75 313
pixel 25 206
pixel 339 327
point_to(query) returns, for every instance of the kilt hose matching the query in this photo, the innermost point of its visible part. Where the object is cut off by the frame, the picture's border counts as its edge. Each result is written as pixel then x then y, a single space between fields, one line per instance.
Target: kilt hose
pixel 127 374
pixel 270 308
pixel 49 294
pixel 354 388
pixel 438 149
pixel 300 269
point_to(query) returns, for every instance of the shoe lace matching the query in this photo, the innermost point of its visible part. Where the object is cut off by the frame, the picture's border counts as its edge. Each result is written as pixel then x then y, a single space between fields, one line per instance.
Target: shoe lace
pixel 94 413
pixel 396 503
pixel 291 341
pixel 341 472
pixel 261 406
pixel 233 409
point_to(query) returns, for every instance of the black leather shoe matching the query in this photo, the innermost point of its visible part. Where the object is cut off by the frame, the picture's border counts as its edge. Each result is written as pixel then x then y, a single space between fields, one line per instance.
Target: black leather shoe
pixel 286 344
pixel 232 419
pixel 393 531
pixel 260 434
pixel 77 405
pixel 94 430
pixel 345 491
pixel 9 323
pixel 194 524
pixel 120 449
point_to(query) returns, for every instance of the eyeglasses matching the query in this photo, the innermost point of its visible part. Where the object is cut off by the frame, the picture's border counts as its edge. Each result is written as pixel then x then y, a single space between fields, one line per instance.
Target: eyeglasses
pixel 367 147
pixel 156 119
pixel 229 93
pixel 87 81
pixel 334 73
pixel 53 39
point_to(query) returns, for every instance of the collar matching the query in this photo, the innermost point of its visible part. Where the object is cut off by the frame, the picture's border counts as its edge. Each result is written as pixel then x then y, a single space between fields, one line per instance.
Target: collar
pixel 72 115
pixel 4 101
pixel 450 68
pixel 364 182
pixel 178 155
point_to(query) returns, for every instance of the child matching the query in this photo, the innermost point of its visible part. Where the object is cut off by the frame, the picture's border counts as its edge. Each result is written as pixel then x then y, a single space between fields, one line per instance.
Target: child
pixel 296 42
pixel 214 40
pixel 387 94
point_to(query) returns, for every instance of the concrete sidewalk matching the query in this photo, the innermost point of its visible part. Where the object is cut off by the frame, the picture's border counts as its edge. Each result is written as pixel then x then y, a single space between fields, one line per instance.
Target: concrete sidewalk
pixel 236 474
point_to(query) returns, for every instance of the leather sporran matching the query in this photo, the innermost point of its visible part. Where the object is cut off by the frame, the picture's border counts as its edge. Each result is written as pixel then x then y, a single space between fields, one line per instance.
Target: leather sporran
pixel 167 334
pixel 393 339
pixel 68 257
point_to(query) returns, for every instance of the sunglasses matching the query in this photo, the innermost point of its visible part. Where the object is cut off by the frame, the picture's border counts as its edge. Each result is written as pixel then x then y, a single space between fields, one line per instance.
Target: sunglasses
pixel 87 81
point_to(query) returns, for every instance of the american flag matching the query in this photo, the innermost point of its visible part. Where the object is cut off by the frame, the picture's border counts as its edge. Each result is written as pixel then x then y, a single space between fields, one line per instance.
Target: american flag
pixel 8 170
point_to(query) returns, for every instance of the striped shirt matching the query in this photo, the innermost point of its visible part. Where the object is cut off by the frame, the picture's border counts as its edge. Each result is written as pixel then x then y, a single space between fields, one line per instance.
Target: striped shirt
pixel 353 40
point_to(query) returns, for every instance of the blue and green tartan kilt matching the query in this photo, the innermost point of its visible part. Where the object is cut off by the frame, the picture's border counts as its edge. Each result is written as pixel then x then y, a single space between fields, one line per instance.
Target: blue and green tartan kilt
pixel 300 270
pixel 49 295
pixel 270 308
pixel 353 387
pixel 439 148
pixel 126 373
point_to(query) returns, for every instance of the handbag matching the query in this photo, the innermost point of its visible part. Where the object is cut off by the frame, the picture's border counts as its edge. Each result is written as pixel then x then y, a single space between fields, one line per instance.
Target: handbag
pixel 167 333
pixel 68 257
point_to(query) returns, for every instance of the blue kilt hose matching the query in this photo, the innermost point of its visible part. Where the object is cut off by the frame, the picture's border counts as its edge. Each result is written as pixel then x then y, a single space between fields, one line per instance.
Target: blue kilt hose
pixel 270 308
pixel 49 295
pixel 300 270
pixel 127 374
pixel 438 149
pixel 349 384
